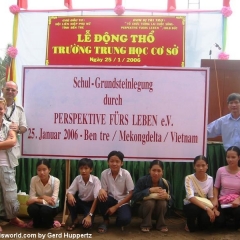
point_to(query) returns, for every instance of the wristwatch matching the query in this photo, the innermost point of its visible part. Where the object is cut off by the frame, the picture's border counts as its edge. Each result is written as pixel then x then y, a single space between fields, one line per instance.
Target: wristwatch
pixel 90 214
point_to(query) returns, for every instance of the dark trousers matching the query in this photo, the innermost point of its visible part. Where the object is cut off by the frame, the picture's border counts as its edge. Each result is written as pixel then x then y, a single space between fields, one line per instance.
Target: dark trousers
pixel 43 216
pixel 230 213
pixel 79 207
pixel 124 214
pixel 194 212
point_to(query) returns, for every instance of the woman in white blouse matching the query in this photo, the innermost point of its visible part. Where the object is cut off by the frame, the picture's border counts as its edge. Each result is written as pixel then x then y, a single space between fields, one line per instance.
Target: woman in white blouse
pixel 43 201
pixel 195 184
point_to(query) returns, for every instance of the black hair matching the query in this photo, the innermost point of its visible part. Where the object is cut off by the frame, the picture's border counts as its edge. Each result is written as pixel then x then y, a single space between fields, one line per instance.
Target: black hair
pixel 233 96
pixel 200 157
pixel 156 162
pixel 85 162
pixel 44 162
pixel 119 154
pixel 235 149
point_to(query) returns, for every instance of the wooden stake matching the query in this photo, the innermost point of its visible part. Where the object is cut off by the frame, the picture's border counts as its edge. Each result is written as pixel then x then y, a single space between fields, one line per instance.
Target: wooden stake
pixel 67 181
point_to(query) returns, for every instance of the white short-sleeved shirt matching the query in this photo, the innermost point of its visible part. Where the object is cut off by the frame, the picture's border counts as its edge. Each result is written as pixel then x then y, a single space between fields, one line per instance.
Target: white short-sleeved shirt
pixel 119 187
pixel 191 191
pixel 18 115
pixel 86 192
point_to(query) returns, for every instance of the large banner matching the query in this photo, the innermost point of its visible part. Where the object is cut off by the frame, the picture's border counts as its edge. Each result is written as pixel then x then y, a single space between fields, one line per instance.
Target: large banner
pixel 147 113
pixel 34 31
pixel 116 41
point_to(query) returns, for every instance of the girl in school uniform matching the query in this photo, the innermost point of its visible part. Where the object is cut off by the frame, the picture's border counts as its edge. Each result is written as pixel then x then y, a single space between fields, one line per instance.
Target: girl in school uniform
pixel 199 186
pixel 43 201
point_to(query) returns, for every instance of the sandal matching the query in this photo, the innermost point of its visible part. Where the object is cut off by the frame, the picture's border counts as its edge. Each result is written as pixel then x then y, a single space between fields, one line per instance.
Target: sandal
pixel 145 229
pixel 72 226
pixel 102 228
pixel 18 223
pixel 56 226
pixel 30 224
pixel 164 229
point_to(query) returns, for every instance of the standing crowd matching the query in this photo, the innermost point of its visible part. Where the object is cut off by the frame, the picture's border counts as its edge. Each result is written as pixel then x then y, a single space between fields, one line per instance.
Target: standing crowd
pixel 208 202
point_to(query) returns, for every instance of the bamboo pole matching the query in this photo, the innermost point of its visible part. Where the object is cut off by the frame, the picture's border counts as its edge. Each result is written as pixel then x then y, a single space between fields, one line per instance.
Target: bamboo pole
pixel 67 184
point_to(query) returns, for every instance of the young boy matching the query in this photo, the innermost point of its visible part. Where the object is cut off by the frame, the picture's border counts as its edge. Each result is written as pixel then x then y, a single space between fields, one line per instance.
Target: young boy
pixel 88 187
pixel 116 192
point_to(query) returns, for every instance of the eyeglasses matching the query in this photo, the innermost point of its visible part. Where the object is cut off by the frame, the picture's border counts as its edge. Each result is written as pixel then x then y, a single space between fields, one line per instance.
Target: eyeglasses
pixel 10 90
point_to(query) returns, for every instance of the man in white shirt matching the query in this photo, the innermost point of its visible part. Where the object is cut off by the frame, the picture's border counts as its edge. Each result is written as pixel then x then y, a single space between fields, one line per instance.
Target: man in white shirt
pixel 16 115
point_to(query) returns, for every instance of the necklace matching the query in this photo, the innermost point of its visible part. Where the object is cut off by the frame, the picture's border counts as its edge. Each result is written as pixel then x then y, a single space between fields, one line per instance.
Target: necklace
pixel 8 118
